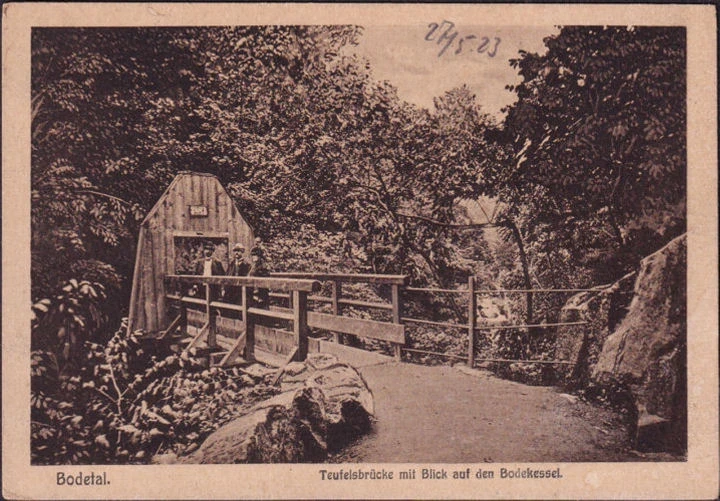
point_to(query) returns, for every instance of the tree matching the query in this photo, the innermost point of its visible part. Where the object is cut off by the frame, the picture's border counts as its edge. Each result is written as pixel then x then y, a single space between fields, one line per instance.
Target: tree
pixel 599 140
pixel 118 112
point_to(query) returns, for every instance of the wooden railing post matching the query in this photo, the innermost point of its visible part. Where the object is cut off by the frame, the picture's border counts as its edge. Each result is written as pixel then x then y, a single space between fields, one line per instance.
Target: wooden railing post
pixel 183 317
pixel 337 307
pixel 249 326
pixel 300 327
pixel 212 333
pixel 472 321
pixel 397 316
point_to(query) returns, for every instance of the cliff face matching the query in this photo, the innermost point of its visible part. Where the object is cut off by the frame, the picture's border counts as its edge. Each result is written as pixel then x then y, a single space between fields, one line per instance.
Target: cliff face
pixel 582 344
pixel 642 349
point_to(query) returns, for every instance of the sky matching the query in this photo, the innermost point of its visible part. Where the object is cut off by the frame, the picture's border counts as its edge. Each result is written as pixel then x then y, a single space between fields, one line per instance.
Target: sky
pixel 403 56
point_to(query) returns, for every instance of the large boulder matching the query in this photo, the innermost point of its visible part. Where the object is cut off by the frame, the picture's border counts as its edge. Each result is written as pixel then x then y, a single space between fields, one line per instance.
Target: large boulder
pixel 601 310
pixel 324 404
pixel 646 353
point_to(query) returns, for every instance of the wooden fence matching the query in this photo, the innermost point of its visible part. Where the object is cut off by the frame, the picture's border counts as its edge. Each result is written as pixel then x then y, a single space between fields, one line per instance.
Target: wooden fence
pixel 296 291
pixel 393 332
pixel 399 286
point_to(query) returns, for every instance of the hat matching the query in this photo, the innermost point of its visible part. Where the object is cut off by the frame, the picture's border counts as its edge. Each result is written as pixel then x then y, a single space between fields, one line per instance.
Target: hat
pixel 208 245
pixel 239 247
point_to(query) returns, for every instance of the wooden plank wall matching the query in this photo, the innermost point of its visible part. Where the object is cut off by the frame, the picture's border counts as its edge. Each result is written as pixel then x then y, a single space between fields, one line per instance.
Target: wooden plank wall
pixel 156 244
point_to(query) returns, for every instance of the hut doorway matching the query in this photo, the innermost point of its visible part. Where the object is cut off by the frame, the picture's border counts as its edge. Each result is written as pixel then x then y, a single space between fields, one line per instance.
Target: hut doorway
pixel 189 250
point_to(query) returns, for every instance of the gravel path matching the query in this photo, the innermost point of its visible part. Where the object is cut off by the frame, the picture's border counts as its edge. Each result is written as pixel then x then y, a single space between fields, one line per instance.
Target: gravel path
pixel 452 415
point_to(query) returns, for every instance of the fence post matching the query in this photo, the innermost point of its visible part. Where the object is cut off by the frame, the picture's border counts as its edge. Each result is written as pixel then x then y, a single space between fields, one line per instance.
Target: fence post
pixel 249 327
pixel 336 307
pixel 211 336
pixel 300 327
pixel 183 317
pixel 397 316
pixel 472 321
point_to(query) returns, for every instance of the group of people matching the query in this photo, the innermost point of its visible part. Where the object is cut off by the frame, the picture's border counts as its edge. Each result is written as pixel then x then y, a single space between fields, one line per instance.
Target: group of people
pixel 239 266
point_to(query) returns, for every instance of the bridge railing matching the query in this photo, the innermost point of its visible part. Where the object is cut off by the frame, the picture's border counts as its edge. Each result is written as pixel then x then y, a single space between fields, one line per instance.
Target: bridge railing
pixel 178 287
pixel 473 326
pixel 392 332
pixel 299 289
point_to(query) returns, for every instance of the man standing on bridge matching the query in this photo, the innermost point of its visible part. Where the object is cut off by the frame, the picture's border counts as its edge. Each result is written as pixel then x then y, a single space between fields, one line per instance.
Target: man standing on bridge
pixel 260 297
pixel 238 267
pixel 207 266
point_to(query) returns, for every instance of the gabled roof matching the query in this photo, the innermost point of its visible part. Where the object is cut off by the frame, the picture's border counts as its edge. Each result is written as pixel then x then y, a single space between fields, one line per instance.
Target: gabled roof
pixel 172 184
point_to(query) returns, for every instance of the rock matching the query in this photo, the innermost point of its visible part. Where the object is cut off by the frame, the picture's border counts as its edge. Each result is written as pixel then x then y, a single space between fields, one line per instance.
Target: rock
pixel 324 405
pixel 292 435
pixel 231 442
pixel 582 344
pixel 169 458
pixel 257 371
pixel 647 352
pixel 570 398
pixel 317 361
pixel 349 404
pixel 294 368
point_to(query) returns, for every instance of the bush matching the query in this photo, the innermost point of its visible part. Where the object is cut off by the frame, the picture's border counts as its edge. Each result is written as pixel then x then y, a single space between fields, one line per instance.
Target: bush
pixel 123 405
pixel 66 320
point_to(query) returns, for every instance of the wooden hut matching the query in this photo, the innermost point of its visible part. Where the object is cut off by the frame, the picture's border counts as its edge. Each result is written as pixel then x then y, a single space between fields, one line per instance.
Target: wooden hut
pixel 194 209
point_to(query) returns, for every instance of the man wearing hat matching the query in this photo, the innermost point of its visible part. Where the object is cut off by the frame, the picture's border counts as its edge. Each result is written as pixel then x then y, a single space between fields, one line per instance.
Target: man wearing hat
pixel 209 265
pixel 258 268
pixel 239 266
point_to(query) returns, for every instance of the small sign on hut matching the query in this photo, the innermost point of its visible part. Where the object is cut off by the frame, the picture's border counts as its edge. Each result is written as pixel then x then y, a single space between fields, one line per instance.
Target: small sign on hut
pixel 195 209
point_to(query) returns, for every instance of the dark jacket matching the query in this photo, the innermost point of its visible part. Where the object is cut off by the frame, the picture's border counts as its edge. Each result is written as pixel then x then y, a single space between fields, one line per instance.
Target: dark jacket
pixel 238 270
pixel 260 297
pixel 216 267
pixel 234 294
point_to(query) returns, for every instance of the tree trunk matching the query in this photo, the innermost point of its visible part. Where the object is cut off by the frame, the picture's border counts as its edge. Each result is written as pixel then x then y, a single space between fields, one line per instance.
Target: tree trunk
pixel 526 272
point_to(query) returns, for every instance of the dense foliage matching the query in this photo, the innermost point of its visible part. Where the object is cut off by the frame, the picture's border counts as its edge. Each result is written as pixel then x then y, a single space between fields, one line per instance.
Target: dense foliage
pixel 598 178
pixel 293 126
pixel 125 402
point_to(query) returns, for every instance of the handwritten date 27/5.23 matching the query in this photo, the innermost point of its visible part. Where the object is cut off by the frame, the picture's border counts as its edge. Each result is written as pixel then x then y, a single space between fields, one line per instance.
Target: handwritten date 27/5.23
pixel 444 35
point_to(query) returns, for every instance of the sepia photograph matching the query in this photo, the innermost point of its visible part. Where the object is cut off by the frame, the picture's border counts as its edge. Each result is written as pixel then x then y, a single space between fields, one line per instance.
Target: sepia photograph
pixel 437 249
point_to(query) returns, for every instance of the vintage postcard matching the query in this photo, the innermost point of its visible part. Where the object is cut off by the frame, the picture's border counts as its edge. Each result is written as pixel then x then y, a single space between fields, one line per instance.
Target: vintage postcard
pixel 369 251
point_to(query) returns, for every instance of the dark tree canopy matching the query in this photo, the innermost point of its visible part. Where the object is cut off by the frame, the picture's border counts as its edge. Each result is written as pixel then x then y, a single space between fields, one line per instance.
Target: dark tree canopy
pixel 599 143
